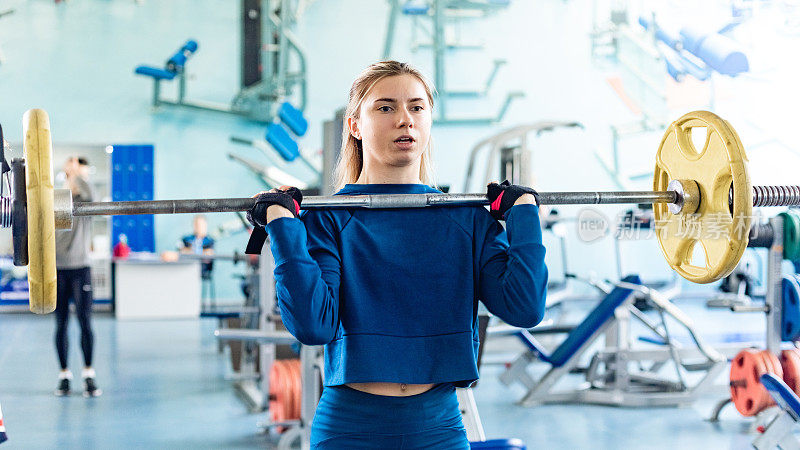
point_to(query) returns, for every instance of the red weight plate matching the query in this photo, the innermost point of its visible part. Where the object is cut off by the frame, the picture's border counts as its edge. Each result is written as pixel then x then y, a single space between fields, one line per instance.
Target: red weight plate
pixel 274 390
pixel 774 367
pixel 789 369
pixel 790 362
pixel 298 388
pixel 765 398
pixel 794 355
pixel 291 389
pixel 773 363
pixel 747 392
pixel 279 380
pixel 285 387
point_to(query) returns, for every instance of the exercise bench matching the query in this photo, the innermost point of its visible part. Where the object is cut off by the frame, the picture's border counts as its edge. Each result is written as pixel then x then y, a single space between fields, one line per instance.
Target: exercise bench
pixel 608 376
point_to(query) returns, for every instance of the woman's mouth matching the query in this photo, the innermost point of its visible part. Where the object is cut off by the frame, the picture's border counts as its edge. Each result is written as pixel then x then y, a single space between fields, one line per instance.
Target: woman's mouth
pixel 404 142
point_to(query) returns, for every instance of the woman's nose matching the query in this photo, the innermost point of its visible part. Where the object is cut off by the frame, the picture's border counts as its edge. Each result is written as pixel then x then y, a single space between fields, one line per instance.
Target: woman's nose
pixel 405 120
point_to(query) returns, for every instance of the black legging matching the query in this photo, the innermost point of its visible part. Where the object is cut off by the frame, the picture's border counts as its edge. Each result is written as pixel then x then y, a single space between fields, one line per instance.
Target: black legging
pixel 75 284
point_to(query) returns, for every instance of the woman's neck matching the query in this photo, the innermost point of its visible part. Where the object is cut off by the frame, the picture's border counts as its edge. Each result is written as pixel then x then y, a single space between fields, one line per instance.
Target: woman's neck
pixel 389 175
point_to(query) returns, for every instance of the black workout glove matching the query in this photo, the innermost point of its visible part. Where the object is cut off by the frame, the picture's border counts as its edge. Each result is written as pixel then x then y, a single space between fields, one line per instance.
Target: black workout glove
pixel 257 215
pixel 289 199
pixel 502 197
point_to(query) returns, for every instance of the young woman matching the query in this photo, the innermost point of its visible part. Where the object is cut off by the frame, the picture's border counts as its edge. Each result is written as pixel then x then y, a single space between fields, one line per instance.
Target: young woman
pixel 393 293
pixel 74 280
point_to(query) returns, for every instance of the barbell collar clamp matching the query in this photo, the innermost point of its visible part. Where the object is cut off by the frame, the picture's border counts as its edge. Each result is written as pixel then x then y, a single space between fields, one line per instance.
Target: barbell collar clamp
pixel 62 206
pixel 687 196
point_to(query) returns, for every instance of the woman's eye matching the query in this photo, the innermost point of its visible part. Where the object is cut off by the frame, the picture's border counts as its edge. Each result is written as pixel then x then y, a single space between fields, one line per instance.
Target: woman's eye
pixel 417 108
pixel 384 108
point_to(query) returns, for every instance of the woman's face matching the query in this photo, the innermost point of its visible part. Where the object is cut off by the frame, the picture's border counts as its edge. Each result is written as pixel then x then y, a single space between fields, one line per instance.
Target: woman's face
pixel 395 121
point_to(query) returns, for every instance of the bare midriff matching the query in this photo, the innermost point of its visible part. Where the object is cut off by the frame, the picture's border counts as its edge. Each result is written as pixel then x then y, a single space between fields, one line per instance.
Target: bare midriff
pixel 391 389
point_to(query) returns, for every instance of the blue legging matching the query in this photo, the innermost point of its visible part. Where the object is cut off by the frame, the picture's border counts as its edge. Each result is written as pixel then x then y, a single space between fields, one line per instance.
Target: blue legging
pixel 351 419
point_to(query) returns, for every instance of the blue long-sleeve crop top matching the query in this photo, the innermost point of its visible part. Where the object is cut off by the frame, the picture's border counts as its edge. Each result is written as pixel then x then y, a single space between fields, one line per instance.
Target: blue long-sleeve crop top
pixel 393 293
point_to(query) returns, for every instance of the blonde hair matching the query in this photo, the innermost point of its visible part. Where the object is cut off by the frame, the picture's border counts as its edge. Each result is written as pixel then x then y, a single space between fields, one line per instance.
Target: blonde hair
pixel 351 157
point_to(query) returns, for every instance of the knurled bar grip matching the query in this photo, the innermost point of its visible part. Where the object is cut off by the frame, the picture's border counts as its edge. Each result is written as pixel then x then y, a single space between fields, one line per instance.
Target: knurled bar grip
pixel 776 195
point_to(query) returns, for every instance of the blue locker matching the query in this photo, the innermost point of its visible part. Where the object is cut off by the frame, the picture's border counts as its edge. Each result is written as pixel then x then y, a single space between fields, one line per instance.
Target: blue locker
pixel 132 179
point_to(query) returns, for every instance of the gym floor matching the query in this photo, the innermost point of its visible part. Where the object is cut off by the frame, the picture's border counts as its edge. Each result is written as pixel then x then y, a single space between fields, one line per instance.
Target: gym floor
pixel 165 387
pixel 165 384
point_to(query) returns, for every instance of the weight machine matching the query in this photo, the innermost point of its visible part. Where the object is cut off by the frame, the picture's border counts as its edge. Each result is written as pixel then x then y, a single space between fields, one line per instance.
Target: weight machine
pixel 273 67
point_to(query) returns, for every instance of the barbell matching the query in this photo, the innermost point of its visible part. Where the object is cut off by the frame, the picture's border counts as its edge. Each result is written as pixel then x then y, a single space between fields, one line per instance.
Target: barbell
pixel 691 188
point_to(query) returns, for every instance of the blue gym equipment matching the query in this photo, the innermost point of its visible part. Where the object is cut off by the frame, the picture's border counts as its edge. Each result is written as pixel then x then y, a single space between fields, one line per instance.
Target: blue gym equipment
pixel 273 66
pixel 283 142
pixel 779 431
pixel 698 53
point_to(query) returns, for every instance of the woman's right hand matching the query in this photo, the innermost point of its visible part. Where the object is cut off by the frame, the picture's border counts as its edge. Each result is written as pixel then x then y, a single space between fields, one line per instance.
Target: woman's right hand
pixel 275 203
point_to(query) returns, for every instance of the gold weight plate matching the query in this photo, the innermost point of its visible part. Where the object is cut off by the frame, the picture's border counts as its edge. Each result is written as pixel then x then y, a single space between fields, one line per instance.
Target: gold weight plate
pixel 721 164
pixel 41 222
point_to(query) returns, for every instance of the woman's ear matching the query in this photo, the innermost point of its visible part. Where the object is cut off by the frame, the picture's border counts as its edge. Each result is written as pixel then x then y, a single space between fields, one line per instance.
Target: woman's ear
pixel 352 125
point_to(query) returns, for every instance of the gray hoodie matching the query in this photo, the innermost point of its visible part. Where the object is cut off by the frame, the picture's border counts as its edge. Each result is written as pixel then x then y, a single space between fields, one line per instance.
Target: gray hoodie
pixel 72 246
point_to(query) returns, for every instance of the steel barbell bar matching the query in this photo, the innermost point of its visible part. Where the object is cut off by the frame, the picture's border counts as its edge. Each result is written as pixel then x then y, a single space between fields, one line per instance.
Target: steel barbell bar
pixel 375 201
pixel 762 196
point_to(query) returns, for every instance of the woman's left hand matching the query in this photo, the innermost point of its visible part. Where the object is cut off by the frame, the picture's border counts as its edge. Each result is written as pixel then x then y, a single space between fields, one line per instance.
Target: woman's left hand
pixel 505 195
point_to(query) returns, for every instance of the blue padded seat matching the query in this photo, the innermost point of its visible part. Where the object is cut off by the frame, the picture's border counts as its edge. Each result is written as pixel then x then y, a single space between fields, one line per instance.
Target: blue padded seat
pixel 721 53
pixel 279 138
pixel 415 8
pixel 293 118
pixel 220 315
pixel 498 444
pixel 781 393
pixel 578 336
pixel 156 73
pixel 178 60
